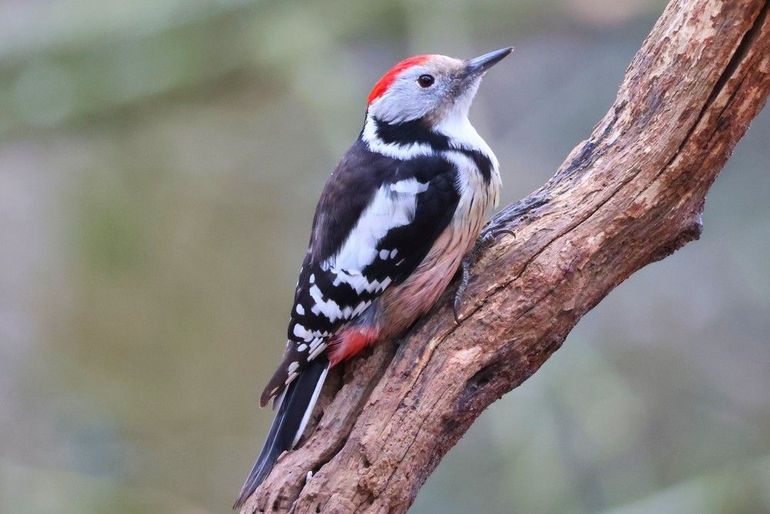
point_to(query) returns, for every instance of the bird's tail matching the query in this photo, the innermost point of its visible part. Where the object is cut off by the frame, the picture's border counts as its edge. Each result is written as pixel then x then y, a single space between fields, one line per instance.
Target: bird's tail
pixel 289 423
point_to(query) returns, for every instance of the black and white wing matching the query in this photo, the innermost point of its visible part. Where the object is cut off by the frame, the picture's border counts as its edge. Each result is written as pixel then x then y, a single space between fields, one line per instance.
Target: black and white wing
pixel 376 220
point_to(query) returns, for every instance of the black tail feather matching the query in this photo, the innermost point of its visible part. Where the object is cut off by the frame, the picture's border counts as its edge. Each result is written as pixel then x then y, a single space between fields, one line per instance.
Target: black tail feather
pixel 289 422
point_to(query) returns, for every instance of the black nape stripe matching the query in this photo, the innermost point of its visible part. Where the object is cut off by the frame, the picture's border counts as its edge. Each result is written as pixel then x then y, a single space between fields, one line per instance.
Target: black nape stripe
pixel 417 131
pixel 408 132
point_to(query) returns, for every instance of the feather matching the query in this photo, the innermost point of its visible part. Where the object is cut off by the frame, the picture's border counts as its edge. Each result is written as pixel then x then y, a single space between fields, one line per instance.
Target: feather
pixel 294 412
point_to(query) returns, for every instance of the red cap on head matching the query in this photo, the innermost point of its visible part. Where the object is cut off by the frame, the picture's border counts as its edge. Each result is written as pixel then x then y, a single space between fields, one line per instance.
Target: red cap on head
pixel 386 80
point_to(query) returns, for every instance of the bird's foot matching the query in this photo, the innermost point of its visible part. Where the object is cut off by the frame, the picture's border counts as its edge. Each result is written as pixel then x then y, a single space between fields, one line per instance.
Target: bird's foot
pixel 469 260
pixel 465 276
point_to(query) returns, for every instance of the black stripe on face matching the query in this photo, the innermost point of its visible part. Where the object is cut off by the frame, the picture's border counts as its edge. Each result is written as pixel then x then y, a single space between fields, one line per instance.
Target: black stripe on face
pixel 408 132
pixel 417 131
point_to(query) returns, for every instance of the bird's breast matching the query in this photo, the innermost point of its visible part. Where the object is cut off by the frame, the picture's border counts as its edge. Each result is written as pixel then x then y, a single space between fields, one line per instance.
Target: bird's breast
pixel 416 295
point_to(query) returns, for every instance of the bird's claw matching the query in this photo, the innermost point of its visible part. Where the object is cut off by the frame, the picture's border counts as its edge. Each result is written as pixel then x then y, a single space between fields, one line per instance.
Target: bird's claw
pixel 464 279
pixel 492 234
pixel 468 261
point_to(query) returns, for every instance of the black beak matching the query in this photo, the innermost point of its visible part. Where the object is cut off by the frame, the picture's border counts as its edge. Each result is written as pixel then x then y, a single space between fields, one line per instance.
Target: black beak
pixel 482 63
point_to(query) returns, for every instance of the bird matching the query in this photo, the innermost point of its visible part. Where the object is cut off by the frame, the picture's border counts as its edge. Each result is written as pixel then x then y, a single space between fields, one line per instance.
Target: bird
pixel 397 216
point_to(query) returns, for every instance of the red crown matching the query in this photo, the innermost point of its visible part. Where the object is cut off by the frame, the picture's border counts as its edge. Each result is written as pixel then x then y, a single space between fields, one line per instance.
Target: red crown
pixel 386 80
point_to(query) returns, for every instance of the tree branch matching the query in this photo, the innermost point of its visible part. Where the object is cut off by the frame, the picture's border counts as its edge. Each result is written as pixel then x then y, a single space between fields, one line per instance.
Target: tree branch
pixel 631 194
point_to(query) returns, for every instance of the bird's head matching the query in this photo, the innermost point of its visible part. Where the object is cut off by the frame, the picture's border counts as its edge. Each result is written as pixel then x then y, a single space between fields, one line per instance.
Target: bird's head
pixel 432 88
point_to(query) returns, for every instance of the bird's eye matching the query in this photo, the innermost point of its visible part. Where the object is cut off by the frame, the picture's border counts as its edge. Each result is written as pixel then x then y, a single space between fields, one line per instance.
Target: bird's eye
pixel 425 80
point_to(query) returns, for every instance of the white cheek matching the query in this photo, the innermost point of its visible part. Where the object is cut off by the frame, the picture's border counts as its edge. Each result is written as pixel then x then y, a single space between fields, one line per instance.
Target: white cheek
pixel 403 102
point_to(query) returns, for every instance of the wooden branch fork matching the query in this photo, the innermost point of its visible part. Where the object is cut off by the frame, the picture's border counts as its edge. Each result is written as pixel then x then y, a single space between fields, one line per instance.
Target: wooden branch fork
pixel 630 195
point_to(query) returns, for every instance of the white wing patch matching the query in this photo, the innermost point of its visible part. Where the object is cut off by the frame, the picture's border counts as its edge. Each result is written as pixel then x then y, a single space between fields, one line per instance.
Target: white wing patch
pixel 409 186
pixel 393 206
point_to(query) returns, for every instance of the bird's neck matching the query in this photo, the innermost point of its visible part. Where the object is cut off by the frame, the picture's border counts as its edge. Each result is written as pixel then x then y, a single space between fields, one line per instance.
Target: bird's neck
pixel 462 134
pixel 415 138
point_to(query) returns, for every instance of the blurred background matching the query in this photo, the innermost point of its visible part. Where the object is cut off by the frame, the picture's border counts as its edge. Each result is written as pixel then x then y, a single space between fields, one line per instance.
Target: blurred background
pixel 160 161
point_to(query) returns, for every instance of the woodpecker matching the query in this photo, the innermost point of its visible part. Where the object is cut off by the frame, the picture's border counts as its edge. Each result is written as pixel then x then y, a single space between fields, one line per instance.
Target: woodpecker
pixel 395 219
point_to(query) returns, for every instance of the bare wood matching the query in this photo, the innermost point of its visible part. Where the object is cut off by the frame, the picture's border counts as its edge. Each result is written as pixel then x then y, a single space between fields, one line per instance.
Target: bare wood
pixel 631 194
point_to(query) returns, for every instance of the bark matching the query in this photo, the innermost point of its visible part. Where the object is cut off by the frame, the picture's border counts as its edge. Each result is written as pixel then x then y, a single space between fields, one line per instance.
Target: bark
pixel 630 195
